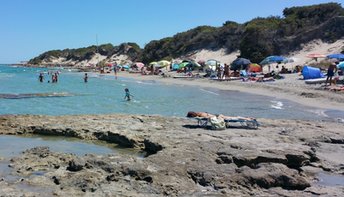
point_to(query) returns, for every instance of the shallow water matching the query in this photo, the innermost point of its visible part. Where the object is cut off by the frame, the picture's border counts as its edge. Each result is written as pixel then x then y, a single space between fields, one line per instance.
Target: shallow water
pixel 13 145
pixel 326 179
pixel 105 95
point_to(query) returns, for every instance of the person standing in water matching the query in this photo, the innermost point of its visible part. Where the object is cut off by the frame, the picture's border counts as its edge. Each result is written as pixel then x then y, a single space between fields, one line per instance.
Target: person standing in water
pixel 85 78
pixel 127 94
pixel 115 69
pixel 41 77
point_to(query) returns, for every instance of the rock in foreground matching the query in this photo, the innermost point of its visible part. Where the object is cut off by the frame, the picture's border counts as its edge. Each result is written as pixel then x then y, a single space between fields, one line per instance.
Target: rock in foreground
pixel 280 158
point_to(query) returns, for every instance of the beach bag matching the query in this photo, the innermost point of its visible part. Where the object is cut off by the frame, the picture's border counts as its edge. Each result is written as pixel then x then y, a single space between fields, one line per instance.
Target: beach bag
pixel 217 123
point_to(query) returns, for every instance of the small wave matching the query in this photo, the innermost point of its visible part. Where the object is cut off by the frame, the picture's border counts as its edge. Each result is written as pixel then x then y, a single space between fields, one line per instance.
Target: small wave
pixel 210 92
pixel 35 95
pixel 146 83
pixel 277 105
pixel 320 113
pixel 136 101
pixel 4 75
pixel 340 120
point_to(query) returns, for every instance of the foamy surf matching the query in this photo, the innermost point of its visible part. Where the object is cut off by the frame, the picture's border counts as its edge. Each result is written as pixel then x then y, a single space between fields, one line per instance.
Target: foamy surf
pixel 210 92
pixel 276 105
pixel 145 83
pixel 35 95
pixel 320 113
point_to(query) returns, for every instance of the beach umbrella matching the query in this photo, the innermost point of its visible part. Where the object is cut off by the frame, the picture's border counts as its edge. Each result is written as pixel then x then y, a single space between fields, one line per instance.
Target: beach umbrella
pixel 288 60
pixel 183 65
pixel 196 65
pixel 175 66
pixel 211 64
pixel 272 59
pixel 138 65
pixel 254 67
pixel 163 63
pixel 240 63
pixel 338 56
pixel 153 63
pixel 341 66
pixel 315 55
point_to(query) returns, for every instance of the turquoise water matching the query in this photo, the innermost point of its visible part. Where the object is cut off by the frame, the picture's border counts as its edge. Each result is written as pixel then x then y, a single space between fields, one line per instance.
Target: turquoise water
pixel 22 93
pixel 13 145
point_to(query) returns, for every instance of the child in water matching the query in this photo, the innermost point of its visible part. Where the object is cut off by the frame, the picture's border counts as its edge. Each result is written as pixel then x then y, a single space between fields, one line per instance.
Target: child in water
pixel 127 94
pixel 85 78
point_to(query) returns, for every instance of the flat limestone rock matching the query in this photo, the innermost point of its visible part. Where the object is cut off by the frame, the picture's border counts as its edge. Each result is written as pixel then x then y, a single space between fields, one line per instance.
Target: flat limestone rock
pixel 282 157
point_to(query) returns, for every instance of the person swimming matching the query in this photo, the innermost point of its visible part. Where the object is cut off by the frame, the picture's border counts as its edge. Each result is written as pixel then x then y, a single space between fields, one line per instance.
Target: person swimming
pixel 127 94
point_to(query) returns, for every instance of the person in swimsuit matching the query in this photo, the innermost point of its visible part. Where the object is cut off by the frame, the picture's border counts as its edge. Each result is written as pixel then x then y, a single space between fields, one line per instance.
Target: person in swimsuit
pixel 41 77
pixel 85 78
pixel 330 72
pixel 127 94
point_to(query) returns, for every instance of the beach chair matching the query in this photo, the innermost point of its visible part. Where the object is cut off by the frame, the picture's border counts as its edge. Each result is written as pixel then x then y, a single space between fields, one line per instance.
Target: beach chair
pixel 244 122
pixel 201 121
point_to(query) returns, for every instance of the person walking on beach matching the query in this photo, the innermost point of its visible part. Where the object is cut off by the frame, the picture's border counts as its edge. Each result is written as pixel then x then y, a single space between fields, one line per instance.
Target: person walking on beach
pixel 127 94
pixel 40 77
pixel 330 72
pixel 85 78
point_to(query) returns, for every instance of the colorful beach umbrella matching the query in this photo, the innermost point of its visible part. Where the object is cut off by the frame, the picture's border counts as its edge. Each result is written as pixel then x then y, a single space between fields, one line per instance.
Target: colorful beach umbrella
pixel 183 65
pixel 315 55
pixel 153 63
pixel 254 67
pixel 163 63
pixel 138 65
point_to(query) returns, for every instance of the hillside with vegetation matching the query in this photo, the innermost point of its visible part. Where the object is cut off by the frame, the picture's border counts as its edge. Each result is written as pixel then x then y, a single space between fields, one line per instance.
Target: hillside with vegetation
pixel 255 39
pixel 132 50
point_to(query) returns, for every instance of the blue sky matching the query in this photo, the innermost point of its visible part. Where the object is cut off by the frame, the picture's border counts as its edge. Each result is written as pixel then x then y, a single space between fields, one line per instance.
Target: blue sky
pixel 31 27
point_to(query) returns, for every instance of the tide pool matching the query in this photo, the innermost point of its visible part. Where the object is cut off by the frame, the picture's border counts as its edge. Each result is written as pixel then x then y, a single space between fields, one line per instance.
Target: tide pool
pixel 103 94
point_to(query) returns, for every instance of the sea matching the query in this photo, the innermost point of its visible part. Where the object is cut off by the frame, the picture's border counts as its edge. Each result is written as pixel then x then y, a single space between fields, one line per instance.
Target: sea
pixel 22 93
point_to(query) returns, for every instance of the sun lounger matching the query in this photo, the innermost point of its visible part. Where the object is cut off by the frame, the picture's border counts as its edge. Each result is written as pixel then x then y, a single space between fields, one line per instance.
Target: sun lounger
pixel 201 121
pixel 244 122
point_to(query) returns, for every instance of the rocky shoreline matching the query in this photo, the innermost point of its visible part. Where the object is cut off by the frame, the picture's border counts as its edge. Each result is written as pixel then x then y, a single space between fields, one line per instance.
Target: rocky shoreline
pixel 281 158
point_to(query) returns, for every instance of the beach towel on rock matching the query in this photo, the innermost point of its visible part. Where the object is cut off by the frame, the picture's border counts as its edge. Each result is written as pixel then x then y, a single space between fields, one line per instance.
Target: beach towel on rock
pixel 217 123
